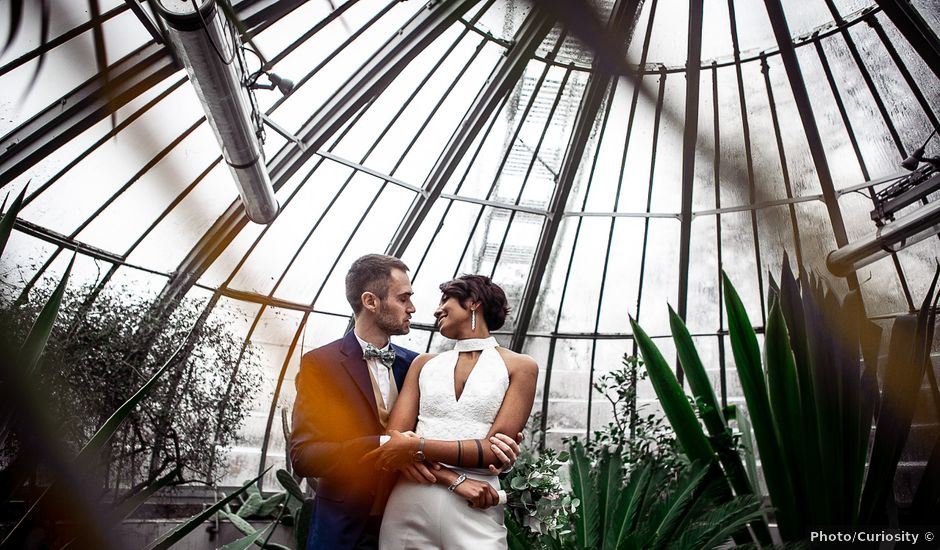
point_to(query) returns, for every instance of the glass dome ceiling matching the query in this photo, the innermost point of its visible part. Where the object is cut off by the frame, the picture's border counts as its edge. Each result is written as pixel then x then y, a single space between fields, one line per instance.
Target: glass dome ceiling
pixel 474 137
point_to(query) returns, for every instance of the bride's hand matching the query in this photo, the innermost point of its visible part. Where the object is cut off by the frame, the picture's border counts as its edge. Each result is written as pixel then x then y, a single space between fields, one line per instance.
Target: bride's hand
pixel 396 453
pixel 479 494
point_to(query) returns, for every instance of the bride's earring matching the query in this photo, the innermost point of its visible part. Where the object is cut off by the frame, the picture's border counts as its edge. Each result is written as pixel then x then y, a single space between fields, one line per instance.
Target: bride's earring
pixel 473 320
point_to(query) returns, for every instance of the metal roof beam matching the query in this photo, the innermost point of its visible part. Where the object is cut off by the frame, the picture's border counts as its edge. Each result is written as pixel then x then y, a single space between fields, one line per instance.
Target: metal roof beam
pixel 601 77
pixel 528 38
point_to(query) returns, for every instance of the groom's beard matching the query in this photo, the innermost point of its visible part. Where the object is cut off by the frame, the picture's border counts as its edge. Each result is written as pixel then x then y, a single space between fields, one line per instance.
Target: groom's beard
pixel 388 322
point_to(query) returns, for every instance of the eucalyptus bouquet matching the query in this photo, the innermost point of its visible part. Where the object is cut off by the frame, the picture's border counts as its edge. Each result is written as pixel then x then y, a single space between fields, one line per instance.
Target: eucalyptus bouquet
pixel 535 496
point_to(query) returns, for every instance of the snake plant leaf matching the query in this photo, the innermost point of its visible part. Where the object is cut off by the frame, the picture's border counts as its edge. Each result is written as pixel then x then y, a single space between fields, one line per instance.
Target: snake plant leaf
pixel 9 218
pixel 180 531
pixel 588 519
pixel 747 360
pixel 688 430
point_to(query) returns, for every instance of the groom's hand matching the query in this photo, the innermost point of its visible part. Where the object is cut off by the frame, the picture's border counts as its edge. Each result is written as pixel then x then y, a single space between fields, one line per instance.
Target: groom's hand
pixel 506 450
pixel 420 472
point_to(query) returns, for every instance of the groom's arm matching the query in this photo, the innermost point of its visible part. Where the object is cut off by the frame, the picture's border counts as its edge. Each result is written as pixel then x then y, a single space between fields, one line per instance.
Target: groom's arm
pixel 315 451
pixel 472 453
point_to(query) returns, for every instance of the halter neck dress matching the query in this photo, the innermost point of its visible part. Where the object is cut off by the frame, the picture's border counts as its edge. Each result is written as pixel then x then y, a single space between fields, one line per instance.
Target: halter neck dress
pixel 430 516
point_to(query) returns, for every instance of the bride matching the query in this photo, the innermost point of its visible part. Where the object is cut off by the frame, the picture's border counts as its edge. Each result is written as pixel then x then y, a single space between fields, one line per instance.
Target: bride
pixel 454 402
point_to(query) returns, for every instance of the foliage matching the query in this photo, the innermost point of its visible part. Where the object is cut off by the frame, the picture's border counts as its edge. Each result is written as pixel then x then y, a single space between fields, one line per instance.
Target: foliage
pixel 653 507
pixel 642 436
pixel 71 494
pixel 535 495
pixel 812 402
pixel 90 367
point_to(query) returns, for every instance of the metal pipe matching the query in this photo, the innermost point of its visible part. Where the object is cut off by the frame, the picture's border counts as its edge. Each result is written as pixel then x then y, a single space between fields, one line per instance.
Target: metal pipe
pixel 886 240
pixel 210 55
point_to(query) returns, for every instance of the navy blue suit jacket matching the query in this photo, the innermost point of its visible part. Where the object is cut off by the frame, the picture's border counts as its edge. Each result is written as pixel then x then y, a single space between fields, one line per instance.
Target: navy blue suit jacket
pixel 335 422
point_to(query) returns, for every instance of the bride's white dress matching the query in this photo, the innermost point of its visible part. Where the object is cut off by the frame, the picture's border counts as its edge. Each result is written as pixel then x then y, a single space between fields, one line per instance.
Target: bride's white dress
pixel 430 516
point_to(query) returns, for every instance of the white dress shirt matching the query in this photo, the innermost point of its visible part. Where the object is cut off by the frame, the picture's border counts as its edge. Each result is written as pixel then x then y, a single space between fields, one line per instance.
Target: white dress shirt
pixel 381 373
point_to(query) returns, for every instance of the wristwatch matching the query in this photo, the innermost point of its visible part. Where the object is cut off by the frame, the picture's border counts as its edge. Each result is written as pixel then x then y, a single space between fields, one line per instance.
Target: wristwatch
pixel 418 455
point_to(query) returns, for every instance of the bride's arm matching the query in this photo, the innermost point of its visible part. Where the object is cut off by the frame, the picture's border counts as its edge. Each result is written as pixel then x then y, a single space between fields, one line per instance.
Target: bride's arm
pixel 471 453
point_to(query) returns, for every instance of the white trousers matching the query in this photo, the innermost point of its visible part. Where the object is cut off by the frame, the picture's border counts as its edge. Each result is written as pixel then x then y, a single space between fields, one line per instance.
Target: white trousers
pixel 429 516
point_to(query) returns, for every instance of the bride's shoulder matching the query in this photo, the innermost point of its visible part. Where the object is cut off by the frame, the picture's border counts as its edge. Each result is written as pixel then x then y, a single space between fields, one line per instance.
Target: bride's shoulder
pixel 422 359
pixel 518 361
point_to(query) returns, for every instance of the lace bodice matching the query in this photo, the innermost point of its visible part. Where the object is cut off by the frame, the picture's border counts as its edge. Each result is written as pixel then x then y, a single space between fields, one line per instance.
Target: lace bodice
pixel 442 416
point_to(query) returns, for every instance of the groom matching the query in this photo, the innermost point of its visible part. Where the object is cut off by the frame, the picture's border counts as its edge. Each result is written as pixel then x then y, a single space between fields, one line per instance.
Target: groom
pixel 345 391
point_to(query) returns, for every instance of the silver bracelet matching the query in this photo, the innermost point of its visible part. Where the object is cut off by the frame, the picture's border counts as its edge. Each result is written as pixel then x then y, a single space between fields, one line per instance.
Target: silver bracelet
pixel 460 479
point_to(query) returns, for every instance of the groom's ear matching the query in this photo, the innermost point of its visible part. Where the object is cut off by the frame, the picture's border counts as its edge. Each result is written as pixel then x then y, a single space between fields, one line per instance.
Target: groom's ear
pixel 369 301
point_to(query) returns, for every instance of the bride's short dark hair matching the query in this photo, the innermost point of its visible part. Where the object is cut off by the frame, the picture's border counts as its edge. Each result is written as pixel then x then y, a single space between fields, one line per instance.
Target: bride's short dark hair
pixel 480 288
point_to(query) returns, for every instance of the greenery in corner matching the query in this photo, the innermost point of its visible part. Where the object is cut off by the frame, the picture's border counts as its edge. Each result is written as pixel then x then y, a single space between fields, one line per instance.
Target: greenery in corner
pixel 813 401
pixel 69 507
pixel 188 419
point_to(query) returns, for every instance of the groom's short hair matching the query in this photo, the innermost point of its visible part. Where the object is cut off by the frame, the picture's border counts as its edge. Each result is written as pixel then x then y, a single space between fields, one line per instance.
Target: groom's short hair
pixel 370 273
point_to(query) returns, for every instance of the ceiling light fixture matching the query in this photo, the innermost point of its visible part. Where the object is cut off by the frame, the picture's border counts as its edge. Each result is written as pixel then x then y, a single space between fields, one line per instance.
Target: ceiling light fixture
pixel 212 55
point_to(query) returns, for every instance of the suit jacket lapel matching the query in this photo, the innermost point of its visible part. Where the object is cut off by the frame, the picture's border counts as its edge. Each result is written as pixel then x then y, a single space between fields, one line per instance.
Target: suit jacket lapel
pixel 400 366
pixel 356 366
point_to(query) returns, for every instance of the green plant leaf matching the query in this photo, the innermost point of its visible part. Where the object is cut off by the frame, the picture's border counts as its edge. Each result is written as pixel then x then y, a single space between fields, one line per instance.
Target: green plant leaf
pixel 908 354
pixel 9 218
pixel 302 523
pixel 180 531
pixel 747 360
pixel 675 405
pixel 251 506
pixel 41 330
pixel 239 522
pixel 248 540
pixel 289 484
pixel 784 392
pixel 588 518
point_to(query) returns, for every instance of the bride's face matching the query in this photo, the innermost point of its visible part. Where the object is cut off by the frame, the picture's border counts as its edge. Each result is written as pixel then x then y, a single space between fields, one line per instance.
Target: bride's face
pixel 453 320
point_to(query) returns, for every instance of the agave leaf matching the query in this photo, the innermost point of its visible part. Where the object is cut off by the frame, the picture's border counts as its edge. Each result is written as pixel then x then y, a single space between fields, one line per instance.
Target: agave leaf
pixel 9 218
pixel 675 405
pixel 129 505
pixel 41 330
pixel 16 21
pixel 784 392
pixel 747 360
pixel 715 423
pixel 908 354
pixel 180 531
pixel 588 518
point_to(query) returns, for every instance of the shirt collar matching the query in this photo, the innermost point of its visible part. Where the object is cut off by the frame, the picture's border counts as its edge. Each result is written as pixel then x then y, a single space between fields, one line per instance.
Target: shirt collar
pixel 363 343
